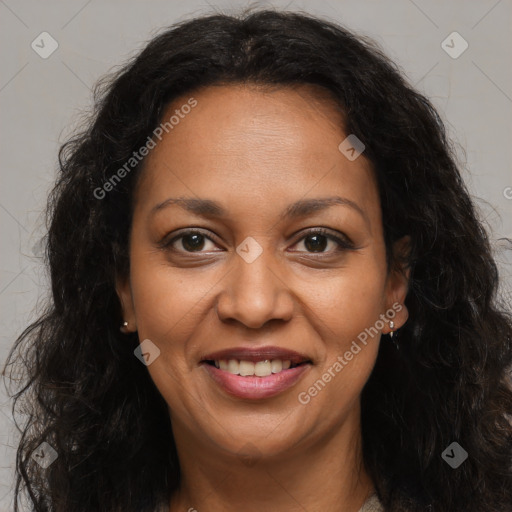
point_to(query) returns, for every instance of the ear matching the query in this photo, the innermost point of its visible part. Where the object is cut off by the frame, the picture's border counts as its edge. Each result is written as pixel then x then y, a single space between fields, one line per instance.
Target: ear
pixel 124 293
pixel 397 283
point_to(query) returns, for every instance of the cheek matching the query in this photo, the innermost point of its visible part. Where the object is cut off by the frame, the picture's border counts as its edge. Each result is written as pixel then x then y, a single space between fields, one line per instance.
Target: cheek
pixel 346 313
pixel 351 301
pixel 167 309
pixel 165 298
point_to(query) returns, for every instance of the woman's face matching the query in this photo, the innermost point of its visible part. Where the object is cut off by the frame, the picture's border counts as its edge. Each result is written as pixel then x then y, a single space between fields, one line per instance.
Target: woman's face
pixel 255 274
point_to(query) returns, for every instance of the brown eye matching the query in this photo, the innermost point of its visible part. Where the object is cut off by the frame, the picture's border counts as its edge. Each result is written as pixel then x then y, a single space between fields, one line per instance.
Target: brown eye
pixel 316 243
pixel 191 241
pixel 318 240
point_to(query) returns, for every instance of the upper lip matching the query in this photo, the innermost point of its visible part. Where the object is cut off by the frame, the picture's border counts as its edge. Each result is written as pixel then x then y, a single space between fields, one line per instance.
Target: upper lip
pixel 255 354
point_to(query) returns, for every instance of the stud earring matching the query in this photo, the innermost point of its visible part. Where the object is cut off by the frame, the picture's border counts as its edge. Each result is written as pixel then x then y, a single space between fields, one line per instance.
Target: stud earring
pixel 124 326
pixel 391 333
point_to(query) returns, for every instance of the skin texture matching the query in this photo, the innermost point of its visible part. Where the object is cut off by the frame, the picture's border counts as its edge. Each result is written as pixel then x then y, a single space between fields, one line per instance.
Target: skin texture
pixel 256 151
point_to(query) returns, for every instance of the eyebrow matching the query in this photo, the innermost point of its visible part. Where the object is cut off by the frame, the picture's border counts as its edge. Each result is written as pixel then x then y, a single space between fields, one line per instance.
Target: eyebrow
pixel 301 208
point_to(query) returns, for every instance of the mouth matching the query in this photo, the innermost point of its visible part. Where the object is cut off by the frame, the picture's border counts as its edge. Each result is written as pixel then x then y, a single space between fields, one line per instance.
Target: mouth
pixel 256 373
pixel 258 361
pixel 262 368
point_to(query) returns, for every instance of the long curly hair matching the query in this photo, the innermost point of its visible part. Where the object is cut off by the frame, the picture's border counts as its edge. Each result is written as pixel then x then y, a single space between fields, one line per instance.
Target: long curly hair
pixel 84 392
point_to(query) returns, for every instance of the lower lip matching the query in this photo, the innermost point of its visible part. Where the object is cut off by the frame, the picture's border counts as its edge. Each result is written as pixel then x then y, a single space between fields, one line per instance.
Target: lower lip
pixel 256 388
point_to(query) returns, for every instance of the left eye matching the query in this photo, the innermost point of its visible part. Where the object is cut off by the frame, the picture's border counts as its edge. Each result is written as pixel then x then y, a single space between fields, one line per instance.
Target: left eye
pixel 316 241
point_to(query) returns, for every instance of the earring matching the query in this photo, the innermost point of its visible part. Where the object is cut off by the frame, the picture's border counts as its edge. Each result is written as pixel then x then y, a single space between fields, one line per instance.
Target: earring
pixel 391 333
pixel 123 327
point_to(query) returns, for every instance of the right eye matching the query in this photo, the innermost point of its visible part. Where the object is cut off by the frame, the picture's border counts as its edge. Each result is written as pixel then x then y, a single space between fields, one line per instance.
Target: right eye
pixel 191 241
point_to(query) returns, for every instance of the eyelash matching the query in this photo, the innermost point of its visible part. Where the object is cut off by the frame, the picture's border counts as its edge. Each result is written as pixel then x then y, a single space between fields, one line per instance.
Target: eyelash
pixel 343 244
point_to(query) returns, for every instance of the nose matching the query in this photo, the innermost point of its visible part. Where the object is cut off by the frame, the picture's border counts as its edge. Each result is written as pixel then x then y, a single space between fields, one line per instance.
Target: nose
pixel 255 293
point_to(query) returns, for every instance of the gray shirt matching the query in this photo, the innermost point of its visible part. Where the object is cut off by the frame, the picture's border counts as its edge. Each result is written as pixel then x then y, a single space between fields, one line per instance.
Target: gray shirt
pixel 372 504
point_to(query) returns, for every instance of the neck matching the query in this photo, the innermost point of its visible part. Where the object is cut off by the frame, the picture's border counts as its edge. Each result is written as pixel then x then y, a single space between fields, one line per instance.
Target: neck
pixel 323 473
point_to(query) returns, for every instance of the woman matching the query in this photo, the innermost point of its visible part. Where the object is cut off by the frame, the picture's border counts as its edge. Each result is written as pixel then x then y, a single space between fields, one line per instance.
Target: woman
pixel 202 350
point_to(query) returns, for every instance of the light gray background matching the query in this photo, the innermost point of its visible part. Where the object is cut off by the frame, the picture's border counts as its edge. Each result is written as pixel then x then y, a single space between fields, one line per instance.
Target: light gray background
pixel 40 102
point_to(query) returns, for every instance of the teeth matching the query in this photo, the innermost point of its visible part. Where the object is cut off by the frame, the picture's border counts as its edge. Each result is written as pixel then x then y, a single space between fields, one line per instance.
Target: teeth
pixel 248 368
pixel 263 369
pixel 277 365
pixel 233 366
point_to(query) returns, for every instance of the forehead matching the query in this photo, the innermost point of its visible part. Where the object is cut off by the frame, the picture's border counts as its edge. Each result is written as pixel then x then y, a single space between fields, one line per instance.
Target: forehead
pixel 261 144
pixel 254 120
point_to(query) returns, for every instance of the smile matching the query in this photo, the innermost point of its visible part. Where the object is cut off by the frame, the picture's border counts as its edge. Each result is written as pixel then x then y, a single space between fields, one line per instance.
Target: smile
pixel 255 373
pixel 250 368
